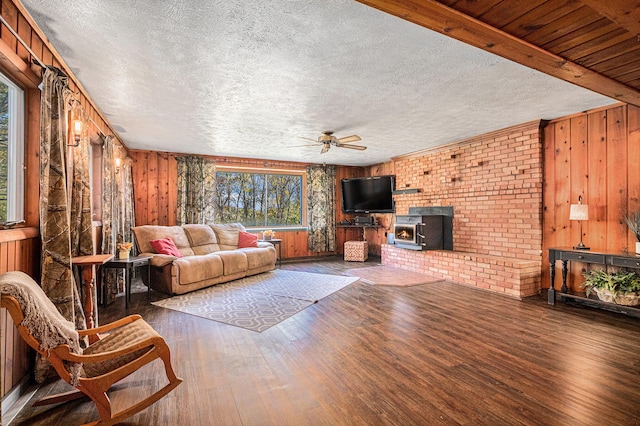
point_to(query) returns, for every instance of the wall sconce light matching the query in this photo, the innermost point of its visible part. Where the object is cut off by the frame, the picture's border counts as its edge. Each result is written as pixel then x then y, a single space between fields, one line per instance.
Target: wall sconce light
pixel 579 212
pixel 118 162
pixel 77 132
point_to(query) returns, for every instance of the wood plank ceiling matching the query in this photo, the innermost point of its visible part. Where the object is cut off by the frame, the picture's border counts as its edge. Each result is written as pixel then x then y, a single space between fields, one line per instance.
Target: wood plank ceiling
pixel 594 44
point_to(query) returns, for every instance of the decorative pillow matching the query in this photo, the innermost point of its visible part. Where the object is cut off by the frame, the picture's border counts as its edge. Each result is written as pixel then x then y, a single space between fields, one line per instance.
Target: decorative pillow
pixel 165 246
pixel 246 239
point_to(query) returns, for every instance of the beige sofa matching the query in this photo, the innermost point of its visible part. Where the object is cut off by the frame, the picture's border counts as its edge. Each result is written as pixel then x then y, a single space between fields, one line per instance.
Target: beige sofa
pixel 210 256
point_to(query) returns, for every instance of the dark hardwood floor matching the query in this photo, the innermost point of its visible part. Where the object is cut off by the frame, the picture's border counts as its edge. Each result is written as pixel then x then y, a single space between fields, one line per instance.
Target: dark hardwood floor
pixel 370 355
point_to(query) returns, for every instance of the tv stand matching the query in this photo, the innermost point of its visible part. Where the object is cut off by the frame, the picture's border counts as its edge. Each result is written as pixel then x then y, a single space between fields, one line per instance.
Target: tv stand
pixel 364 228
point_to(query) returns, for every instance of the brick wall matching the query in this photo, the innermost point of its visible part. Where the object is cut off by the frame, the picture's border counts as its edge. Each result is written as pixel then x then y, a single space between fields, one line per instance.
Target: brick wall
pixel 494 183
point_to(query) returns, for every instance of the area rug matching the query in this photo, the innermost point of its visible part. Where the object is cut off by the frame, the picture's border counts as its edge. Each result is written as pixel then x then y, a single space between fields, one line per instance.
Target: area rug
pixel 389 275
pixel 260 301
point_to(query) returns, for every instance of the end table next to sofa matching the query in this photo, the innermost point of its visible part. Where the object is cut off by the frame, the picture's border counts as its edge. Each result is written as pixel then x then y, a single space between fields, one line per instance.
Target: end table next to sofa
pixel 277 243
pixel 128 265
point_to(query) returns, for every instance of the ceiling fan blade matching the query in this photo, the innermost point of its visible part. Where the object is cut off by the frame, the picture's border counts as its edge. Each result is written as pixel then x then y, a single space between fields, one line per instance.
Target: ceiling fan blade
pixel 308 139
pixel 359 147
pixel 349 139
pixel 298 146
pixel 325 148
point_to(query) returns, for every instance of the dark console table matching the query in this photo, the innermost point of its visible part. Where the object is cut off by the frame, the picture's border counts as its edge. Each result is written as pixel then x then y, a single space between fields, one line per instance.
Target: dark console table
pixel 129 264
pixel 568 254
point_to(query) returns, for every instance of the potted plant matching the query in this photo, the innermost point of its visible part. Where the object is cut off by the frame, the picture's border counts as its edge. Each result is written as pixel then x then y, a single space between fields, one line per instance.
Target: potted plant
pixel 622 287
pixel 633 222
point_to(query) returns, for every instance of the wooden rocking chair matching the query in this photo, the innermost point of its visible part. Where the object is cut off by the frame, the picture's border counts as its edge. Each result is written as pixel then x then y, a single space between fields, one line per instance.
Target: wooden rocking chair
pixel 130 344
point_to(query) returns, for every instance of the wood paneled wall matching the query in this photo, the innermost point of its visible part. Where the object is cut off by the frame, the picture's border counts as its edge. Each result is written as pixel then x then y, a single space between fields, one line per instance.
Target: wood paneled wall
pixel 155 193
pixel 19 251
pixel 595 155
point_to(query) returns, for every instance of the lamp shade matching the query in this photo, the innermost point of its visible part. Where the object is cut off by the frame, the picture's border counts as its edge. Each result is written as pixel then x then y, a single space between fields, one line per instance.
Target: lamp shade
pixel 579 212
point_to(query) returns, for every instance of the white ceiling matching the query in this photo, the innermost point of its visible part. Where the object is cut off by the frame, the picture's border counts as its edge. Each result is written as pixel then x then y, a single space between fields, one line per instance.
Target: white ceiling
pixel 248 78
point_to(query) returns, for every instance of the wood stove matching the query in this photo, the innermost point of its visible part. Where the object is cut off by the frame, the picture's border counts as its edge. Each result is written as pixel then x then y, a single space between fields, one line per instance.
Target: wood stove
pixel 424 228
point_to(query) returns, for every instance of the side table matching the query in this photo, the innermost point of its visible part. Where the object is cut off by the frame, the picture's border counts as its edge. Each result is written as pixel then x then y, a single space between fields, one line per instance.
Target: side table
pixel 277 243
pixel 128 265
pixel 86 265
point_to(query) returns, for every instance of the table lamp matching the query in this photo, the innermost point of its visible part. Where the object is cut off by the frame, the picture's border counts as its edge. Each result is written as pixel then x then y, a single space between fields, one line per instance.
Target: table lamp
pixel 579 212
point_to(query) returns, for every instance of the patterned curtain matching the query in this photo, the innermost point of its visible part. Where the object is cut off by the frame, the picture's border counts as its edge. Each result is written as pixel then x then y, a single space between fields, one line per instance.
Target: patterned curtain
pixel 81 226
pixel 321 205
pixel 129 214
pixel 196 190
pixel 112 279
pixel 55 213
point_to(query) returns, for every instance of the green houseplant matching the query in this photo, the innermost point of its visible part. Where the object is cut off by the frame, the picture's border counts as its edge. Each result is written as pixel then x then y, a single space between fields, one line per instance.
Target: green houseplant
pixel 619 287
pixel 633 222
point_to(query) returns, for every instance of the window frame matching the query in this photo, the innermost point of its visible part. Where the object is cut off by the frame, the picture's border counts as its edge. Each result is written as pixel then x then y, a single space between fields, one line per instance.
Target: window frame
pixel 15 151
pixel 267 171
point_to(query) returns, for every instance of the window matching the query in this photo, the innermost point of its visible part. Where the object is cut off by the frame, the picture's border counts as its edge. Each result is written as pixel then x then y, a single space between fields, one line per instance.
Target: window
pixel 259 199
pixel 11 152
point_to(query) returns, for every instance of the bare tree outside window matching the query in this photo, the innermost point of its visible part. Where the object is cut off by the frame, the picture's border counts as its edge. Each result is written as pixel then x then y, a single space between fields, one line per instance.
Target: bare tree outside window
pixel 259 199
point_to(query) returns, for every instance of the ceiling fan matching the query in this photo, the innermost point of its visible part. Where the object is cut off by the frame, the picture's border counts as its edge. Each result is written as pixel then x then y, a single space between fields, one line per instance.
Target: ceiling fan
pixel 327 139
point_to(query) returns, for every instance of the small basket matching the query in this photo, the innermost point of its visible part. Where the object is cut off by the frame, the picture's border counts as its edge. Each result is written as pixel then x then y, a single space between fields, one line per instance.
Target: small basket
pixel 627 299
pixel 604 295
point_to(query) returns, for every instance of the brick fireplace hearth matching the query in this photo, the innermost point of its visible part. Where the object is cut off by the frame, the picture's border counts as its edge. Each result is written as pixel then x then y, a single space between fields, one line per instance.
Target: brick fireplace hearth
pixel 494 184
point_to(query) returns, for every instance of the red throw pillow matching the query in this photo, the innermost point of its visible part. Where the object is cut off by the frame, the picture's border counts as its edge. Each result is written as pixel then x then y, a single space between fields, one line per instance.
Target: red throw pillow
pixel 165 246
pixel 246 239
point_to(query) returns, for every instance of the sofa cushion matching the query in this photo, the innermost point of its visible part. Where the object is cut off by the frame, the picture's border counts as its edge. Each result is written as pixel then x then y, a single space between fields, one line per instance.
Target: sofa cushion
pixel 246 239
pixel 202 238
pixel 165 246
pixel 194 269
pixel 260 257
pixel 233 261
pixel 228 235
pixel 146 233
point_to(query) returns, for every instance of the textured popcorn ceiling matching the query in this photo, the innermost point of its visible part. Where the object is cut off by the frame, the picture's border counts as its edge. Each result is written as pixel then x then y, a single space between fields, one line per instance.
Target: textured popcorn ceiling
pixel 247 78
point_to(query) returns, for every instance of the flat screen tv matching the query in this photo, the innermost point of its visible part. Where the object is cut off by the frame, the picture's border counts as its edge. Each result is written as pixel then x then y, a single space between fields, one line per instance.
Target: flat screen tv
pixel 368 194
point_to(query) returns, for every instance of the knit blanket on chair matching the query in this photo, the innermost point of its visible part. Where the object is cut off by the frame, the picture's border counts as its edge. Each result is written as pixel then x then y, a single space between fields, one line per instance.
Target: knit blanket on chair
pixel 41 317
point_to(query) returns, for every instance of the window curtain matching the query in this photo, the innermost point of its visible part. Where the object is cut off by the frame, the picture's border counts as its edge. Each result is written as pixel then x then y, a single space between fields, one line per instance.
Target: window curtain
pixel 81 224
pixel 128 212
pixel 321 205
pixel 112 229
pixel 196 190
pixel 57 279
pixel 80 206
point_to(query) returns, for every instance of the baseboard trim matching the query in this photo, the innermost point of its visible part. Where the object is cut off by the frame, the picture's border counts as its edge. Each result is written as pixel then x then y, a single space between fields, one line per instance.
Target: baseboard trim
pixel 17 398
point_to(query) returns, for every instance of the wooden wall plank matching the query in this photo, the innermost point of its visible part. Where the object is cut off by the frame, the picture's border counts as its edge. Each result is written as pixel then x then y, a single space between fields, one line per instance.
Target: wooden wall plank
pixel 141 197
pixel 163 189
pixel 633 162
pixel 548 201
pixel 10 14
pixel 616 178
pixel 24 31
pixel 4 254
pixel 562 202
pixel 597 148
pixel 152 188
pixel 579 166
